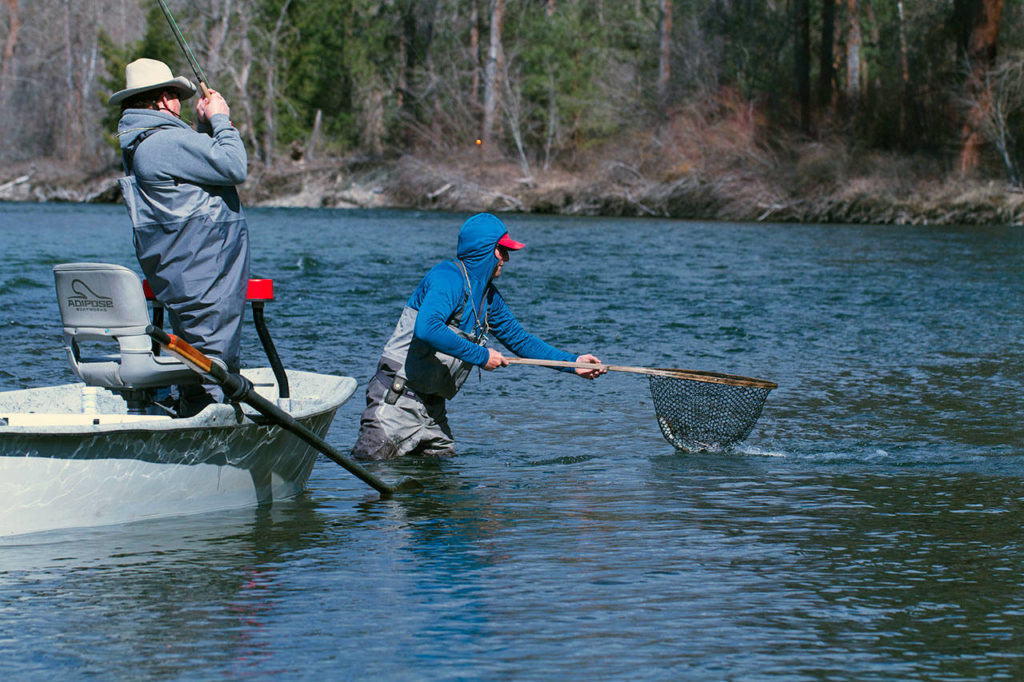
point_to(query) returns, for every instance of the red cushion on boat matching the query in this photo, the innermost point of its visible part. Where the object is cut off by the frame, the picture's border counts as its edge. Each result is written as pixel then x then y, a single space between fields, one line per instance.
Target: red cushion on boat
pixel 259 290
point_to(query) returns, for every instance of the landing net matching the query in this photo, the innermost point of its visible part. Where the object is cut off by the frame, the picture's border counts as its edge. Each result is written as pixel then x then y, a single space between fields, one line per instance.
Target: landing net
pixel 707 414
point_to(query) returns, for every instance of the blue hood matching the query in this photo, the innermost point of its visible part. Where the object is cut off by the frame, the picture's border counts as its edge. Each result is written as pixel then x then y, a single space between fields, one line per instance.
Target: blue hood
pixel 442 291
pixel 477 238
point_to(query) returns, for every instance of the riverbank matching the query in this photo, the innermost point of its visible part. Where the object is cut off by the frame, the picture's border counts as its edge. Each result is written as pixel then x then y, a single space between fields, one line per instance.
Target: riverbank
pixel 811 187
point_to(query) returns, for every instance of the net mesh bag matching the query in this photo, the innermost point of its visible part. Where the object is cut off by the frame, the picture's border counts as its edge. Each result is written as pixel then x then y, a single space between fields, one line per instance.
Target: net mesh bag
pixel 707 415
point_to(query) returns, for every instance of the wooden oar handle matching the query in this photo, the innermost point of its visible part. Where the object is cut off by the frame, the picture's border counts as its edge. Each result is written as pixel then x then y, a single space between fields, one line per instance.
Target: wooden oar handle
pixel 689 374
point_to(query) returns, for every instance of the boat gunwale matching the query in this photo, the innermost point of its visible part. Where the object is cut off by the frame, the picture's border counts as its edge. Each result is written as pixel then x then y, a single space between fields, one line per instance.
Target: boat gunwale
pixel 217 417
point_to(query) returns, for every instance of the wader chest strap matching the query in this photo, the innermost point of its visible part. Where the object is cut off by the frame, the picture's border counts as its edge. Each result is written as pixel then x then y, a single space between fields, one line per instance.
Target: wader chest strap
pixel 128 153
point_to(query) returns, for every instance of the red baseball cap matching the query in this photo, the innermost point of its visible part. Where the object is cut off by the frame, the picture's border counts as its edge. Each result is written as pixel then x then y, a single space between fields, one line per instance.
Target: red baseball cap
pixel 509 243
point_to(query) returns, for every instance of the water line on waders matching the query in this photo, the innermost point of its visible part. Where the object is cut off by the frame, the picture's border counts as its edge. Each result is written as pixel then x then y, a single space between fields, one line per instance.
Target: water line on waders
pixel 189 55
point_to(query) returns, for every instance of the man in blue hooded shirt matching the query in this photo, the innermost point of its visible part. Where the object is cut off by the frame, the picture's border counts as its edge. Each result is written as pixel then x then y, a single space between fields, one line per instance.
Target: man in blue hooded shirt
pixel 439 337
pixel 190 232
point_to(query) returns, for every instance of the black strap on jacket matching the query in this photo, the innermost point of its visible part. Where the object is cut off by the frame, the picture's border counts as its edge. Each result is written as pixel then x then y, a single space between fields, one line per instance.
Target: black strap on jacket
pixel 128 153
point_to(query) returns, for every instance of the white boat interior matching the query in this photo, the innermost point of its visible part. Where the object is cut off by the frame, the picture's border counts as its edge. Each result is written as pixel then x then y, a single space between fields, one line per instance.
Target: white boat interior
pixel 101 452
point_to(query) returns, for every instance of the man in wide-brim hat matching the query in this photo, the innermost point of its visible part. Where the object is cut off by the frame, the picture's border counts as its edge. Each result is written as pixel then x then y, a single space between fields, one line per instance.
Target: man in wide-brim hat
pixel 191 236
pixel 150 78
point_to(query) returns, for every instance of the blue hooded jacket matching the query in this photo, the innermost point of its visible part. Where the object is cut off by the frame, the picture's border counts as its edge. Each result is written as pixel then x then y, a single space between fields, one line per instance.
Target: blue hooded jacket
pixel 443 290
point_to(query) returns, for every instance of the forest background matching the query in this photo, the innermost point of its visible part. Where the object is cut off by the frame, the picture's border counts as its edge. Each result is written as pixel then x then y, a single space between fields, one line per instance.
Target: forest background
pixel 884 111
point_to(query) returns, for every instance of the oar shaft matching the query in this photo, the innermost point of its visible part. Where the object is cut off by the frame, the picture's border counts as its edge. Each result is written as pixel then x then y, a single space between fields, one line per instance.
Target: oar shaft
pixel 238 388
pixel 289 423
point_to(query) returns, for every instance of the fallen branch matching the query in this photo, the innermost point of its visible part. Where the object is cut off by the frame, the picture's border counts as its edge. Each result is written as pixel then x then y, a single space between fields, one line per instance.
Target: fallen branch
pixel 444 188
pixel 15 182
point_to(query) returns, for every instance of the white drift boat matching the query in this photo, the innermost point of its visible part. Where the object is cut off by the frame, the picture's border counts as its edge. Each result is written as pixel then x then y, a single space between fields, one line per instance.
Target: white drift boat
pixel 99 452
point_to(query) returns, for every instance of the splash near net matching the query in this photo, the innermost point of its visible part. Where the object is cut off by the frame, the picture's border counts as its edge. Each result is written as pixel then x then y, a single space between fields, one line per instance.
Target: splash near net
pixel 706 410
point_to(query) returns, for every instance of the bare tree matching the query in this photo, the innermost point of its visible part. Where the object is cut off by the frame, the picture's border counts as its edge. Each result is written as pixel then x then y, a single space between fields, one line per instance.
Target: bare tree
pixel 826 66
pixel 513 105
pixel 904 70
pixel 270 88
pixel 1005 83
pixel 474 51
pixel 239 68
pixel 854 42
pixel 664 52
pixel 978 21
pixel 492 75
pixel 803 61
pixel 218 33
pixel 10 45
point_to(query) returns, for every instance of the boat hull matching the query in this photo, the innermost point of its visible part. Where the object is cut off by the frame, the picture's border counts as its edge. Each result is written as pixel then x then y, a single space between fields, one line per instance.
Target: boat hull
pixel 61 467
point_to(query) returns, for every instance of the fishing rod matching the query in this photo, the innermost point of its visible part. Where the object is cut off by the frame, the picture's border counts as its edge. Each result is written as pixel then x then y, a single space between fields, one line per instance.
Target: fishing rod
pixel 196 69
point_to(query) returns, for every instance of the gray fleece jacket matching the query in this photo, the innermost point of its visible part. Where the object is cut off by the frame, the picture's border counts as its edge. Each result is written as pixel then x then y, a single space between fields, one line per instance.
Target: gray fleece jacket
pixel 212 155
pixel 191 236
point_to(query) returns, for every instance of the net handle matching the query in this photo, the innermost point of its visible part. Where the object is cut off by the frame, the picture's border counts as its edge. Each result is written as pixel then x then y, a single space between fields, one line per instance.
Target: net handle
pixel 688 374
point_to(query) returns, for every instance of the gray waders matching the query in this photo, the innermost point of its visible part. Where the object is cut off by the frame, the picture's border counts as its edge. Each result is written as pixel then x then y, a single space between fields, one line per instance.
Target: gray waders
pixel 192 243
pixel 405 401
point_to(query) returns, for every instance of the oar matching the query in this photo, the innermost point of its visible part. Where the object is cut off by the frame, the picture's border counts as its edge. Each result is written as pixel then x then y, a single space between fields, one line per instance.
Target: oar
pixel 693 375
pixel 238 388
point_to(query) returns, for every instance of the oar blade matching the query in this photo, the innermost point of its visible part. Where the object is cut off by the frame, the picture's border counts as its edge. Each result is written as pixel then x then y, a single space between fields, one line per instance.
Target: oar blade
pixel 407 484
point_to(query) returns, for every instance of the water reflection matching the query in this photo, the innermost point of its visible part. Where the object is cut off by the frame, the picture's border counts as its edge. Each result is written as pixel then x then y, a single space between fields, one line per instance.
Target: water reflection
pixel 157 593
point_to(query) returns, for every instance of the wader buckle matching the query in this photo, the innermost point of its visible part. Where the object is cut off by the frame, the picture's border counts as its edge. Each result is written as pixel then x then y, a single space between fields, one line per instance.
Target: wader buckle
pixel 396 389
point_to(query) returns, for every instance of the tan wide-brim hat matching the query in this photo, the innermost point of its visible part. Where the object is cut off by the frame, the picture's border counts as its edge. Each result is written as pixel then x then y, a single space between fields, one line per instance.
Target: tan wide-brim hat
pixel 150 74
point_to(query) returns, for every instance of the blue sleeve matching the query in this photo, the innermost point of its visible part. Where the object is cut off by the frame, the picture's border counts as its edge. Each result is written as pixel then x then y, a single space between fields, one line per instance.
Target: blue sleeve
pixel 506 328
pixel 218 158
pixel 438 296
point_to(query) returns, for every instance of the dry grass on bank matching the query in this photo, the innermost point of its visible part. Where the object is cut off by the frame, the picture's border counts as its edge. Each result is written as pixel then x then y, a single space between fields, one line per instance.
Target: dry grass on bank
pixel 713 163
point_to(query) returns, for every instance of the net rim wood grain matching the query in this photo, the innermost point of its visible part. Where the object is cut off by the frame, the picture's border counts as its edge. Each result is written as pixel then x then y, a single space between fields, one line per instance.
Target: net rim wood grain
pixel 688 374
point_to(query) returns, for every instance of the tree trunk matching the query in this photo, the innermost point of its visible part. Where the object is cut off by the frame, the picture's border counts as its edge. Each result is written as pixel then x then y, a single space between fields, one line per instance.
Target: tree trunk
pixel 978 21
pixel 218 35
pixel 10 45
pixel 853 48
pixel 803 62
pixel 314 137
pixel 664 53
pixel 904 71
pixel 415 66
pixel 270 96
pixel 240 69
pixel 474 52
pixel 436 111
pixel 403 62
pixel 512 106
pixel 826 57
pixel 72 124
pixel 492 76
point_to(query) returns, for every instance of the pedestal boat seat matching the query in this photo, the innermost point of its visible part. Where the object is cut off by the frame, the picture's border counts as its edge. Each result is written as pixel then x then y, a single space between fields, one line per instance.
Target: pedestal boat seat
pixel 103 304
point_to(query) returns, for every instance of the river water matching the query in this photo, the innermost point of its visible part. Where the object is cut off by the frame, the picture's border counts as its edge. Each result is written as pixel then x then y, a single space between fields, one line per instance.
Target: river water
pixel 869 527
